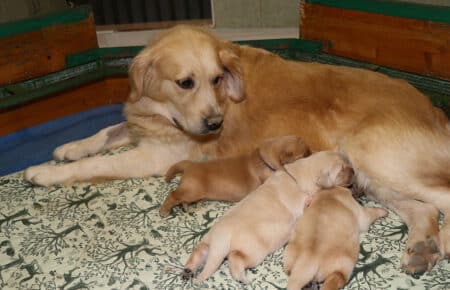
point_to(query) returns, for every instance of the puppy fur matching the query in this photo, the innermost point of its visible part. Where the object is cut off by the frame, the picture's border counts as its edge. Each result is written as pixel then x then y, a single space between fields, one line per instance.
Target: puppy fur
pixel 262 221
pixel 231 179
pixel 324 246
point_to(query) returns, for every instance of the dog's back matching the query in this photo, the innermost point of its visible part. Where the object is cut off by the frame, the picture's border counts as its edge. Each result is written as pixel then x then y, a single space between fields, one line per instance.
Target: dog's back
pixel 325 244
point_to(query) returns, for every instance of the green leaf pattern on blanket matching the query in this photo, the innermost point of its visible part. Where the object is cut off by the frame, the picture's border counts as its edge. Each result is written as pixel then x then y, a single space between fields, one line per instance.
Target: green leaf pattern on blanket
pixel 109 236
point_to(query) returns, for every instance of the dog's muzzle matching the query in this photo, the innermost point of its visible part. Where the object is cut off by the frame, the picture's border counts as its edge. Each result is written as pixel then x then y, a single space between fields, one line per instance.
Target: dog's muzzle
pixel 213 123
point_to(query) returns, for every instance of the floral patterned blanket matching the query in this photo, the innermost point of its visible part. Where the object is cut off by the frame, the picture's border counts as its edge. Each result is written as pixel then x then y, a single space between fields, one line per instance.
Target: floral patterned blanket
pixel 110 236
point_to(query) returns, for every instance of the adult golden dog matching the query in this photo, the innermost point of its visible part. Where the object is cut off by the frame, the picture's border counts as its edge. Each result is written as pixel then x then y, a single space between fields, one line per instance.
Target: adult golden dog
pixel 195 96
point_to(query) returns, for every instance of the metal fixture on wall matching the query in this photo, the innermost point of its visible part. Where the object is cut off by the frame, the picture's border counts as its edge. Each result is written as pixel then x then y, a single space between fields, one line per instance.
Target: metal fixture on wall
pixel 113 12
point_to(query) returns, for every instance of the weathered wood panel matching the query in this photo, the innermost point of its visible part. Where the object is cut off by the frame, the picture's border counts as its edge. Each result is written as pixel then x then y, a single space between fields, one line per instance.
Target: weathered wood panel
pixel 92 95
pixel 408 44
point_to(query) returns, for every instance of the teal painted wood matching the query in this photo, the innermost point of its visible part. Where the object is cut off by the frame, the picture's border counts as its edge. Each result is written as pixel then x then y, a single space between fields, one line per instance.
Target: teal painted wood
pixel 27 25
pixel 100 63
pixel 399 9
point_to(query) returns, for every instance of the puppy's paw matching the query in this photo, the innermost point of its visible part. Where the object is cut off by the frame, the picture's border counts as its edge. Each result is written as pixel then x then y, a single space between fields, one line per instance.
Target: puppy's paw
pixel 164 212
pixel 45 175
pixel 421 257
pixel 187 274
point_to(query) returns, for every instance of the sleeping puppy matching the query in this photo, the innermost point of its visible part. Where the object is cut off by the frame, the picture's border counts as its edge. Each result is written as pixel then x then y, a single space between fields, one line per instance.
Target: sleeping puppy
pixel 262 221
pixel 325 244
pixel 231 179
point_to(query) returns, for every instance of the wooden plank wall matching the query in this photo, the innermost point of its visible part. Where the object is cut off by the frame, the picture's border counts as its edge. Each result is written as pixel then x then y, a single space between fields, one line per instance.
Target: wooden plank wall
pixel 407 44
pixel 40 52
pixel 92 95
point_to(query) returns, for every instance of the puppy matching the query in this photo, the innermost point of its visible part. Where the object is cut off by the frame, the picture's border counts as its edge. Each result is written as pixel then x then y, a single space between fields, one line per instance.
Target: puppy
pixel 231 179
pixel 325 243
pixel 262 221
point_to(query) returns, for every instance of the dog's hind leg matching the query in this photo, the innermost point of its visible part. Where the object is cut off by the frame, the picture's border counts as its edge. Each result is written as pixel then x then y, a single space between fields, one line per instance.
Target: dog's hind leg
pixel 196 260
pixel 218 250
pixel 237 262
pixel 422 247
pixel 302 272
pixel 289 257
pixel 106 139
pixel 334 281
pixel 440 197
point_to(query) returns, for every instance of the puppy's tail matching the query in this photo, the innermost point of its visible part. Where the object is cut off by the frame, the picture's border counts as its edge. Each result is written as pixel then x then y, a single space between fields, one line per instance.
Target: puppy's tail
pixel 334 281
pixel 176 168
pixel 302 272
pixel 218 249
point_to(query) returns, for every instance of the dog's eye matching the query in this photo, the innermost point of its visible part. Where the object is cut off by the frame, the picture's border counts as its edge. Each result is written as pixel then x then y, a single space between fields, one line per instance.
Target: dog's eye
pixel 185 83
pixel 216 81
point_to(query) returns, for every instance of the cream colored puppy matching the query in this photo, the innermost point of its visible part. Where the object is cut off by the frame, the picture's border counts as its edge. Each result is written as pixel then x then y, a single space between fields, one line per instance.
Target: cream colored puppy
pixel 262 221
pixel 325 243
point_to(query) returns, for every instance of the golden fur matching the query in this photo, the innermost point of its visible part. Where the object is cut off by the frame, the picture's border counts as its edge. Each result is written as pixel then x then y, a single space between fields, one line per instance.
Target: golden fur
pixel 232 178
pixel 324 246
pixel 398 143
pixel 261 222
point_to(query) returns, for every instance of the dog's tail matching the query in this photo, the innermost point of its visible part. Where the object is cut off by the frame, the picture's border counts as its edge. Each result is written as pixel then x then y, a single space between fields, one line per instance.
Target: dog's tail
pixel 219 248
pixel 334 281
pixel 302 272
pixel 176 168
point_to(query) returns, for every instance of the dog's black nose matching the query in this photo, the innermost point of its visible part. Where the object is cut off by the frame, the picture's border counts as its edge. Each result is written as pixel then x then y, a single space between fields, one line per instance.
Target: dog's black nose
pixel 213 123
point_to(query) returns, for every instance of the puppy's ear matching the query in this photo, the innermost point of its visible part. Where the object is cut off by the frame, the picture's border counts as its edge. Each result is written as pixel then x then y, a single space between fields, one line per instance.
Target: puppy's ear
pixel 141 74
pixel 345 176
pixel 291 151
pixel 233 85
pixel 340 174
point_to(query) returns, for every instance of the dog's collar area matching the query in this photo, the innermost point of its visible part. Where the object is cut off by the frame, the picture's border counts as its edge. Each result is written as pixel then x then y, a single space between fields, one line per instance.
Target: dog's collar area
pixel 268 165
pixel 177 124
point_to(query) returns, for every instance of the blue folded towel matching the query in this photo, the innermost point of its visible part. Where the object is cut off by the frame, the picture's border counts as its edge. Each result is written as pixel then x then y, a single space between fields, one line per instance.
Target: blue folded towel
pixel 35 145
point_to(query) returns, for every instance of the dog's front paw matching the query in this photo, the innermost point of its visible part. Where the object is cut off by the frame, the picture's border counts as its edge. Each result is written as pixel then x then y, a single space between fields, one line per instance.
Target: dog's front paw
pixel 45 175
pixel 72 151
pixel 421 257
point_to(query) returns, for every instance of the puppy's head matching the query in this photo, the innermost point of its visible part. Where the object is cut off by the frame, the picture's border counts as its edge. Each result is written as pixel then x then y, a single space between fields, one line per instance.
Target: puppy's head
pixel 189 75
pixel 338 172
pixel 278 151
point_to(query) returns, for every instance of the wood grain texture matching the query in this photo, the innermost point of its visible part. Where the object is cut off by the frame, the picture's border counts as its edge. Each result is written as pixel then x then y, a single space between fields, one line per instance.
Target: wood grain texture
pixel 105 92
pixel 36 53
pixel 407 44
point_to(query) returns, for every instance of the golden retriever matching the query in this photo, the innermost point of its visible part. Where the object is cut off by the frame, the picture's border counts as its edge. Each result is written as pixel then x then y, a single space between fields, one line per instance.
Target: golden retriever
pixel 232 178
pixel 194 96
pixel 324 246
pixel 261 222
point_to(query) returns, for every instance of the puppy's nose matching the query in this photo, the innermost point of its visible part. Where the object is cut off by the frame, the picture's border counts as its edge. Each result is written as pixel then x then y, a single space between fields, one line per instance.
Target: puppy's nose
pixel 214 122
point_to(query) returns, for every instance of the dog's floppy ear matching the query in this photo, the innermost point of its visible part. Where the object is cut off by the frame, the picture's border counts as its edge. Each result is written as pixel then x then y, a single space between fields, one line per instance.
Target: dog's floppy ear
pixel 141 74
pixel 233 85
pixel 340 174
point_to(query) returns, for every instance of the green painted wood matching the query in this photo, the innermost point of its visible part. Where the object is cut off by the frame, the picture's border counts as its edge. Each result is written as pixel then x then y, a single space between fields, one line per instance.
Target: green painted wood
pixel 27 25
pixel 100 63
pixel 102 53
pixel 399 9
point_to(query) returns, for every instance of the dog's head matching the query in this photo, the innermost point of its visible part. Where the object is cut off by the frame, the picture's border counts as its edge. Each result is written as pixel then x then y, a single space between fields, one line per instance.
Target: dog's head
pixel 324 169
pixel 337 172
pixel 189 75
pixel 278 151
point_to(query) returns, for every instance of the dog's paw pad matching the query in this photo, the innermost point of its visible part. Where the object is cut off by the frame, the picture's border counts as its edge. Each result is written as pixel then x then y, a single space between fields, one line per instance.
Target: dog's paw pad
pixel 313 285
pixel 187 274
pixel 421 257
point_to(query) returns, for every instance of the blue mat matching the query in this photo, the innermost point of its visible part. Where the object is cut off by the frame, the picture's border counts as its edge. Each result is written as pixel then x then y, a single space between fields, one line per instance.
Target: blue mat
pixel 35 145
